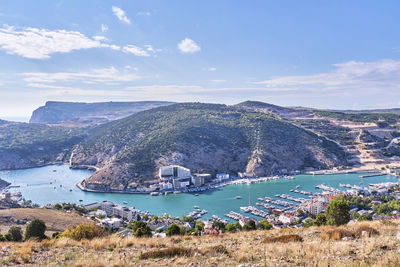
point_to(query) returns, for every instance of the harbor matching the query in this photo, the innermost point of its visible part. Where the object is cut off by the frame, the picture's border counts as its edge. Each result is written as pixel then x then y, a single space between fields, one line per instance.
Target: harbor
pixel 34 184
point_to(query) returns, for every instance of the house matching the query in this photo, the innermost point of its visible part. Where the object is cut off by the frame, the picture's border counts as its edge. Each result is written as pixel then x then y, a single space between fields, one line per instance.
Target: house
pixel 287 218
pixel 113 223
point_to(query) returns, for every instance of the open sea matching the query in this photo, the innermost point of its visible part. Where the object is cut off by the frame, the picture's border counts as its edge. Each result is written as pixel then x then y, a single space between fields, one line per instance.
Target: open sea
pixel 52 184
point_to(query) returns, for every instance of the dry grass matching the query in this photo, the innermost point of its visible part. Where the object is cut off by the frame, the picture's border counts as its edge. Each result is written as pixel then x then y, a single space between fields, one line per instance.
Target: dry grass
pixel 56 221
pixel 167 253
pixel 366 248
pixel 283 239
pixel 337 234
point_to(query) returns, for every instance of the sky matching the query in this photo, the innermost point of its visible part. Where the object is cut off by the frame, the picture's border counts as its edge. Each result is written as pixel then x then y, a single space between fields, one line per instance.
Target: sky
pixel 341 54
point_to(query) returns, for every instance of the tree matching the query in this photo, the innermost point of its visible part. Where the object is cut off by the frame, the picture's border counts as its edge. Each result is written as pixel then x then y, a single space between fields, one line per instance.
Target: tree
pixel 57 206
pixel 233 227
pixel 250 226
pixel 14 234
pixel 308 222
pixel 219 224
pixel 140 228
pixel 35 229
pixel 264 225
pixel 338 211
pixel 320 220
pixel 300 212
pixel 173 229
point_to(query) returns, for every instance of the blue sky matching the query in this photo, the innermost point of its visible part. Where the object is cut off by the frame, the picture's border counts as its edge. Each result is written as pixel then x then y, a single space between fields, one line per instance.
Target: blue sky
pixel 325 54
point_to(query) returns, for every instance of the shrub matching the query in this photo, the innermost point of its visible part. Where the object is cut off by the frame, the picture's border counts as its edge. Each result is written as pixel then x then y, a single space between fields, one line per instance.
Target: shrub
pixel 250 226
pixel 233 227
pixel 83 231
pixel 336 234
pixel 264 225
pixel 35 229
pixel 337 212
pixel 14 234
pixel 365 228
pixel 365 217
pixel 283 239
pixel 2 238
pixel 167 253
pixel 139 228
pixel 320 220
pixel 173 229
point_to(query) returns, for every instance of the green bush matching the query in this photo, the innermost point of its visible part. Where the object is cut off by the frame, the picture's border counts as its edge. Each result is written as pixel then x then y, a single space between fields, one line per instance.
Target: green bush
pixel 173 229
pixel 250 226
pixel 264 225
pixel 320 219
pixel 14 234
pixel 338 211
pixel 35 229
pixel 83 231
pixel 139 228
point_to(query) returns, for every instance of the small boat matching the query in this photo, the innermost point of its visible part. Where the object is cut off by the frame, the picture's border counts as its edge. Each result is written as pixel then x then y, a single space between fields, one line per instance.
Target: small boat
pixel 60 185
pixel 298 186
pixel 124 202
pixel 153 194
pixel 196 195
pixel 177 192
pixel 196 207
pixel 70 190
pixel 238 197
pixel 54 170
pixel 80 200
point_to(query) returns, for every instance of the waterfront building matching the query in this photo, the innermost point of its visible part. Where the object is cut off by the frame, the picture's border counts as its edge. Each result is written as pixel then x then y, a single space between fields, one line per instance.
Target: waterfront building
pixel 244 220
pixel 172 172
pixel 222 177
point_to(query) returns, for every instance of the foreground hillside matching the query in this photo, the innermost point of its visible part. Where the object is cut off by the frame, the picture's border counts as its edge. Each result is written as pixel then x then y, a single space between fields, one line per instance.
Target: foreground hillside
pixel 360 244
pixel 89 113
pixel 203 137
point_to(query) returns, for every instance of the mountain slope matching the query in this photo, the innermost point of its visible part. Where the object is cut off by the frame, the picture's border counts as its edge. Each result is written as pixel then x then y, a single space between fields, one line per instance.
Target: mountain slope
pixel 203 137
pixel 24 145
pixel 89 113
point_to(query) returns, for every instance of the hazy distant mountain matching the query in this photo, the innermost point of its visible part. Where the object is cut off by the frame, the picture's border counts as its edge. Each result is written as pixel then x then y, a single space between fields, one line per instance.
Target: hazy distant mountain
pixel 203 137
pixel 72 113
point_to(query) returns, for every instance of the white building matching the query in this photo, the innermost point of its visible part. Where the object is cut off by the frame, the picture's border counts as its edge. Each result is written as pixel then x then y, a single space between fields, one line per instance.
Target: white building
pixel 169 173
pixel 287 218
pixel 114 209
pixel 222 177
pixel 113 223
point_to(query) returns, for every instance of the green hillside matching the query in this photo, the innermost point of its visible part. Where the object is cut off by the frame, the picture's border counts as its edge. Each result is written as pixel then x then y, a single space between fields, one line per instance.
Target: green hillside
pixel 203 137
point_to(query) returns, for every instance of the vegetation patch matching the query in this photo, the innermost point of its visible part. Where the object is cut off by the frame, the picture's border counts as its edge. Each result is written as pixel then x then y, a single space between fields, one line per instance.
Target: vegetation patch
pixel 337 234
pixel 366 229
pixel 283 239
pixel 167 253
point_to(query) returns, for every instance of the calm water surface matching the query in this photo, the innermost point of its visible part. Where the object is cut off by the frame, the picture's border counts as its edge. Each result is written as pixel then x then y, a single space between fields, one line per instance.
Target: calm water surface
pixel 35 185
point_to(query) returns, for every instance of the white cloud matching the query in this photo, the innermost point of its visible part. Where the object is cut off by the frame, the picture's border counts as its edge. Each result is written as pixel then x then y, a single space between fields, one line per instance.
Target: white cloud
pixel 109 75
pixel 41 43
pixel 212 69
pixel 365 76
pixel 137 51
pixel 188 46
pixel 147 14
pixel 104 28
pixel 120 14
pixel 218 81
pixel 100 38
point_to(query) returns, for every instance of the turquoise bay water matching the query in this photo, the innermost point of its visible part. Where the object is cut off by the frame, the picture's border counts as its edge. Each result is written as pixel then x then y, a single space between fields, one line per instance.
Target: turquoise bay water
pixel 35 185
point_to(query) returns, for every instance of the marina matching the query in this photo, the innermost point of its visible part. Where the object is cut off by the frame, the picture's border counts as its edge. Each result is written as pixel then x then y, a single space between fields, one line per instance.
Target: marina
pixel 34 184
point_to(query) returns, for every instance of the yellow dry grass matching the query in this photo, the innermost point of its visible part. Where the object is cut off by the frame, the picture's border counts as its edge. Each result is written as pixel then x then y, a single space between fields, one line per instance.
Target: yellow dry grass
pixel 365 248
